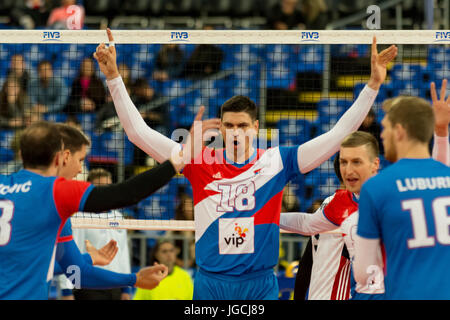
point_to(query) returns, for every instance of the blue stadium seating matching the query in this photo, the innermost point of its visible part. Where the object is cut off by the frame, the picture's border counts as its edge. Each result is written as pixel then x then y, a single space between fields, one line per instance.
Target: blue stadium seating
pixel 6 153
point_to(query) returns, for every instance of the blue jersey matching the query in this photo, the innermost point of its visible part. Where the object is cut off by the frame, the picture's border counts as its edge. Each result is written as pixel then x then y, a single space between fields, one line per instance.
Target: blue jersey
pixel 237 209
pixel 33 209
pixel 406 206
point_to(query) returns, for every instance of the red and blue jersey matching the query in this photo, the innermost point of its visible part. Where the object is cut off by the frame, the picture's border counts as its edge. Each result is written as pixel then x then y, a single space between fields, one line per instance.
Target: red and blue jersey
pixel 237 208
pixel 33 211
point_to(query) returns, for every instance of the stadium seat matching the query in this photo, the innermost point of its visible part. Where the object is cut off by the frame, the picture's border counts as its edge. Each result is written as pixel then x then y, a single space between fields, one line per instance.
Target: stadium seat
pixel 105 147
pixel 294 131
pixel 330 110
pixel 55 117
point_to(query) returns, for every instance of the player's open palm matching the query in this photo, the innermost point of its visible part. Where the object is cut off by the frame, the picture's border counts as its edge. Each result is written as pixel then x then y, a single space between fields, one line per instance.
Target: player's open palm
pixel 103 256
pixel 441 106
pixel 379 63
pixel 150 277
pixel 106 57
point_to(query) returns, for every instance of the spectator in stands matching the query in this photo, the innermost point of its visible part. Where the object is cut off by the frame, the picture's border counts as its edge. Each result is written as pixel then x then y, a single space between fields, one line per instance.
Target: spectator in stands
pixel 205 60
pixel 14 104
pixel 67 16
pixel 184 211
pixel 47 93
pixel 18 70
pixel 125 73
pixel 88 91
pixel 286 15
pixel 98 238
pixel 15 164
pixel 177 285
pixel 32 14
pixel 372 126
pixel 169 62
pixel 315 13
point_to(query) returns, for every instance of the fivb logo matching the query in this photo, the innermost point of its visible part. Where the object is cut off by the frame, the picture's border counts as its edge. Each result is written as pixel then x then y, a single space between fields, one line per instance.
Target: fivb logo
pixel 51 36
pixel 310 36
pixel 442 36
pixel 176 36
pixel 236 236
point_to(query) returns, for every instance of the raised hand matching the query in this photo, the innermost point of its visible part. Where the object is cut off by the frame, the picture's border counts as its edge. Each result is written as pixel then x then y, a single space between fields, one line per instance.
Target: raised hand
pixel 106 58
pixel 441 108
pixel 200 130
pixel 378 64
pixel 103 256
pixel 150 277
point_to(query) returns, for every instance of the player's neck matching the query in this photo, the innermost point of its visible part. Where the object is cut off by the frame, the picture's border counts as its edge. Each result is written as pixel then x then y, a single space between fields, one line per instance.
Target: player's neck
pixel 412 150
pixel 240 157
pixel 46 172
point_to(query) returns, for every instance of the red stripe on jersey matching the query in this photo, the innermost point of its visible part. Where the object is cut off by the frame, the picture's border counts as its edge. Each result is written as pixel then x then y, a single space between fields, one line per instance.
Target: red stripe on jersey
pixel 65 239
pixel 67 195
pixel 341 285
pixel 213 167
pixel 270 212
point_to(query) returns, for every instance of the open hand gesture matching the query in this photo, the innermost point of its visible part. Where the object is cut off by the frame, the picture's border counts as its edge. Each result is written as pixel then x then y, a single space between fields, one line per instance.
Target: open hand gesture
pixel 103 256
pixel 106 58
pixel 378 64
pixel 441 108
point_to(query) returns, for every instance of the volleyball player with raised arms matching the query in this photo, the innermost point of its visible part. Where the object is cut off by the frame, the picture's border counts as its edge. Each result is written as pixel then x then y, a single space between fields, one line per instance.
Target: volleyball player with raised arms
pixel 238 189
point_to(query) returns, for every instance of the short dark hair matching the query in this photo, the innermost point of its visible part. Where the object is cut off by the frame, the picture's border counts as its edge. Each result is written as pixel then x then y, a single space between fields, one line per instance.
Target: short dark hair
pixel 337 168
pixel 240 104
pixel 98 173
pixel 39 143
pixel 73 138
pixel 415 115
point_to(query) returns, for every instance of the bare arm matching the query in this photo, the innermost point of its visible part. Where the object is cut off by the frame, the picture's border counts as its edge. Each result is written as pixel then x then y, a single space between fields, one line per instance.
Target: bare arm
pixel 441 109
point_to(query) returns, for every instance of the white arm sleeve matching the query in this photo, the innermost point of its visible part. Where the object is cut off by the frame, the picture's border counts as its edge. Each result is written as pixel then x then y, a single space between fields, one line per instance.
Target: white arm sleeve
pixel 156 145
pixel 368 264
pixel 314 152
pixel 441 149
pixel 304 223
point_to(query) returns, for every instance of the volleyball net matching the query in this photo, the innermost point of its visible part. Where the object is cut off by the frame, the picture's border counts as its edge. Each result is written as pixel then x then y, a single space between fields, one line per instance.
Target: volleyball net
pixel 301 81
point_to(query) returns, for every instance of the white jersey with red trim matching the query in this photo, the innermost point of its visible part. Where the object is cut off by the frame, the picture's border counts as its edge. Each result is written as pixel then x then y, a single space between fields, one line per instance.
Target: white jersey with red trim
pixel 330 274
pixel 237 209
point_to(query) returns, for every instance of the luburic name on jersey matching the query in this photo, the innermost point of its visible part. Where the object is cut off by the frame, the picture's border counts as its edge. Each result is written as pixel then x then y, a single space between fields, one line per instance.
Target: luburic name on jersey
pixel 412 184
pixel 16 188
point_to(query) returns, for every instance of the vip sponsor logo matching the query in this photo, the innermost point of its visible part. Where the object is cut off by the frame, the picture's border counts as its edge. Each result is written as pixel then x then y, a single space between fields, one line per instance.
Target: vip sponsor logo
pixel 236 235
pixel 176 36
pixel 309 36
pixel 51 36
pixel 442 36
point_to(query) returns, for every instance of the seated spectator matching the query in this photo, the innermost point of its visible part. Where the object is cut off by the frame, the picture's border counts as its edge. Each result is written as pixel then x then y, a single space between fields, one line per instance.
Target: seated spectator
pixel 88 91
pixel 47 93
pixel 33 14
pixel 68 16
pixel 154 113
pixel 17 69
pixel 177 285
pixel 14 104
pixel 125 73
pixel 15 164
pixel 169 62
pixel 184 211
pixel 205 60
pixel 286 15
pixel 98 238
pixel 316 14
